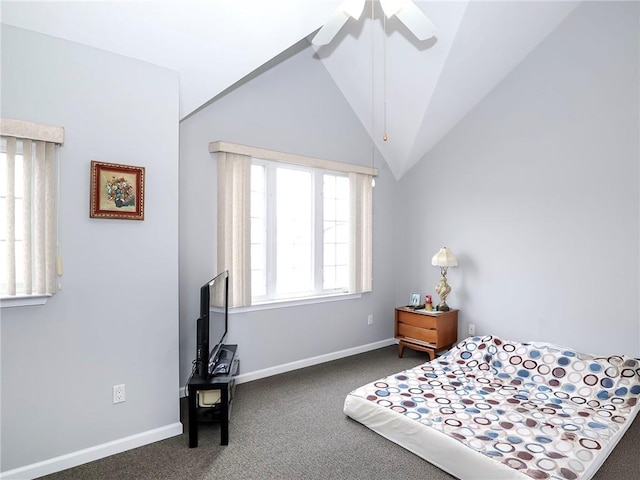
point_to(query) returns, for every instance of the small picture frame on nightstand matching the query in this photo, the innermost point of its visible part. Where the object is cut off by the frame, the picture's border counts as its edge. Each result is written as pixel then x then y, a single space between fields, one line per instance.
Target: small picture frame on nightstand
pixel 414 300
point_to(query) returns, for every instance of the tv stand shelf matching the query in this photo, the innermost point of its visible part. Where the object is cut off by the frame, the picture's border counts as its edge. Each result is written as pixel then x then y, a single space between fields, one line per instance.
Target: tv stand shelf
pixel 226 383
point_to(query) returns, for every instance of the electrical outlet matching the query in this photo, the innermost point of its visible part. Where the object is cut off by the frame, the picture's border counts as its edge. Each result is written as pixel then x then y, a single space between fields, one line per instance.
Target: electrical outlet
pixel 472 329
pixel 118 393
pixel 370 320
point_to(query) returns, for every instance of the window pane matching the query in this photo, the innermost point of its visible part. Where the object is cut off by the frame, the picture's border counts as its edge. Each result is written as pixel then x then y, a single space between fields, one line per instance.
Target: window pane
pixel 329 232
pixel 342 187
pixel 329 209
pixel 336 232
pixel 342 254
pixel 329 254
pixel 257 178
pixel 258 232
pixel 258 283
pixel 293 281
pixel 257 257
pixel 294 217
pixel 329 186
pixel 329 278
pixel 342 277
pixel 342 232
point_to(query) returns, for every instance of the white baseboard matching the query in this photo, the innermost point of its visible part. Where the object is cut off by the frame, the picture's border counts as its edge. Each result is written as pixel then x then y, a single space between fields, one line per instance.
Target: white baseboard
pixel 87 455
pixel 308 362
pixel 91 454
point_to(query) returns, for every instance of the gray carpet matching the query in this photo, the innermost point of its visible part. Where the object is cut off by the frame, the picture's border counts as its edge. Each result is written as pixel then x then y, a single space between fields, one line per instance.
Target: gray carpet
pixel 291 426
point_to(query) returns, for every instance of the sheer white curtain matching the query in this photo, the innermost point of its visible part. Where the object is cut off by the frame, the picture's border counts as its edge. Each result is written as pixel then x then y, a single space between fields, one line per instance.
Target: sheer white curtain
pixel 30 236
pixel 361 233
pixel 234 225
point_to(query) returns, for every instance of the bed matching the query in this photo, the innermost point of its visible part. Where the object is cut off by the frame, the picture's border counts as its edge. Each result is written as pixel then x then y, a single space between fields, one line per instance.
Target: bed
pixel 496 409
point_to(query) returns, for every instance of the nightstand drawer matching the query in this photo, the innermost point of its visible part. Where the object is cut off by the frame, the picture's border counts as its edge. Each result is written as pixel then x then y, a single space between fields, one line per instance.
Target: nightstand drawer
pixel 417 333
pixel 417 320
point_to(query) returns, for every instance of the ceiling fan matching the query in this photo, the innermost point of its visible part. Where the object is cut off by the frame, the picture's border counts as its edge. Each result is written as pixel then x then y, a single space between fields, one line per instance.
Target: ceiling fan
pixel 407 11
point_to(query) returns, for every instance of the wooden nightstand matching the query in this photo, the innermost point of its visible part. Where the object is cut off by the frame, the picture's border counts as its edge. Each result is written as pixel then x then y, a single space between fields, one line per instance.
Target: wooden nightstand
pixel 425 331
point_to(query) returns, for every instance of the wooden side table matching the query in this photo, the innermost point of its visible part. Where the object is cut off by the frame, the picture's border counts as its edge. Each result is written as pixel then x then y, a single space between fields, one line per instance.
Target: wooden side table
pixel 425 331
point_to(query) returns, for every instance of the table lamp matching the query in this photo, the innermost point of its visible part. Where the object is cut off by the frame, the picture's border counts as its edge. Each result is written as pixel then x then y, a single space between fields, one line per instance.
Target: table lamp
pixel 443 259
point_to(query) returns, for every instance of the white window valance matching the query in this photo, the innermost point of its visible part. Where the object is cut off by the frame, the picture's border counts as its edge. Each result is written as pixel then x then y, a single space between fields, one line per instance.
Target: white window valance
pixel 31 131
pixel 255 152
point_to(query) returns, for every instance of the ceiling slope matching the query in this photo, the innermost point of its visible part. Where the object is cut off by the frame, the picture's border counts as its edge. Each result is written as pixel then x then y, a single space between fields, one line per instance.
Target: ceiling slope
pixel 421 90
pixel 414 91
pixel 212 44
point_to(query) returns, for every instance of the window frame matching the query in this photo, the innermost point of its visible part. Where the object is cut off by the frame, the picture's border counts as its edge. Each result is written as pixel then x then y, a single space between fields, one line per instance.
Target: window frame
pixel 234 218
pixel 317 262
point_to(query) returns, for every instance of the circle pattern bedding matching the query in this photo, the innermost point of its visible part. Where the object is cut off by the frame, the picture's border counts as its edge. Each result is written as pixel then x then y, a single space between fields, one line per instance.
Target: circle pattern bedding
pixel 544 410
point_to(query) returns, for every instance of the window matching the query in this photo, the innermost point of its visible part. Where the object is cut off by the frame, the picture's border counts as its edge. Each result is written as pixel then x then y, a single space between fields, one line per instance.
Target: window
pixel 28 208
pixel 299 231
pixel 292 227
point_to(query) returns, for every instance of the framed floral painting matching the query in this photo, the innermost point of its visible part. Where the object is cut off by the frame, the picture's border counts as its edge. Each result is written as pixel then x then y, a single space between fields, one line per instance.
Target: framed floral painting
pixel 117 191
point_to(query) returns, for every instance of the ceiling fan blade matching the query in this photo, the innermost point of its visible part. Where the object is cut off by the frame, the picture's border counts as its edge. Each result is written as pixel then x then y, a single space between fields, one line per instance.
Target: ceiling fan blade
pixel 329 29
pixel 416 21
pixel 391 7
pixel 354 8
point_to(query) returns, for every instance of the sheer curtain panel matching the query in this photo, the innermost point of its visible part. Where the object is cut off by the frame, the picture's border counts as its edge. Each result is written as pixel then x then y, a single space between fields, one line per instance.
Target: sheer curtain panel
pixel 361 232
pixel 28 201
pixel 234 225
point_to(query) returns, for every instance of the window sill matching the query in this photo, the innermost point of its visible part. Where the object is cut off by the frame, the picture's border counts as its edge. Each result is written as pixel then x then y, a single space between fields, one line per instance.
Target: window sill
pixel 295 303
pixel 23 300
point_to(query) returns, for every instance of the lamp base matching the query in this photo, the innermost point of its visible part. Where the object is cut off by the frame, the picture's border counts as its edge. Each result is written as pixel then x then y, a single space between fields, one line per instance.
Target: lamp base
pixel 443 307
pixel 443 289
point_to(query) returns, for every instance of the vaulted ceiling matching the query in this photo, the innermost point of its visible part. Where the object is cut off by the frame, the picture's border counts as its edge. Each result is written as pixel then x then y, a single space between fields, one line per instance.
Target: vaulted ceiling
pixel 413 91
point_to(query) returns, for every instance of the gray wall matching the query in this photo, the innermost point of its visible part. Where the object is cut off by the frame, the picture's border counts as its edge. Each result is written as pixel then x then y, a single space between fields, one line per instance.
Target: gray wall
pixel 537 193
pixel 540 202
pixel 294 107
pixel 116 319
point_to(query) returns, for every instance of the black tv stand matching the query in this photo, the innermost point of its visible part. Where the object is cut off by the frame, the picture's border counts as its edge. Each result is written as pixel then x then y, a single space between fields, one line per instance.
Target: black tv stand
pixel 225 382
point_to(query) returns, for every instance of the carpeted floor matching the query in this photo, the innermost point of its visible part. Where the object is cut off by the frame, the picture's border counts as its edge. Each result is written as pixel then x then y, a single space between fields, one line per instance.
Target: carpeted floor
pixel 291 426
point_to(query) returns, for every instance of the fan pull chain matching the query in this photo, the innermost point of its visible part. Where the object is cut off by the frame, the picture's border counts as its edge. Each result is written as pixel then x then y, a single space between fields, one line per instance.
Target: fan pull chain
pixel 384 81
pixel 373 72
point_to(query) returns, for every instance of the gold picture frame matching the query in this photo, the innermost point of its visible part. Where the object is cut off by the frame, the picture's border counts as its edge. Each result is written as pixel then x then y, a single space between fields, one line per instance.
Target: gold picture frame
pixel 117 191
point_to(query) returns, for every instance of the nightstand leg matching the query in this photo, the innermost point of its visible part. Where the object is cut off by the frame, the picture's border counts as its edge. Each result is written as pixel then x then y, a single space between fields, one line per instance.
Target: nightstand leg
pixel 400 350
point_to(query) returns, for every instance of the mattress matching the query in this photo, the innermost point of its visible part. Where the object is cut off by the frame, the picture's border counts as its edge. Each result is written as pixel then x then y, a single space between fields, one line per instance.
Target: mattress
pixel 495 409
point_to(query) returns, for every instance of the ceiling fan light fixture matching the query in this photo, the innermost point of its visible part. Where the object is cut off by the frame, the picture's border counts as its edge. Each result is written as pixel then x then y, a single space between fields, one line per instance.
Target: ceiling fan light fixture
pixel 406 11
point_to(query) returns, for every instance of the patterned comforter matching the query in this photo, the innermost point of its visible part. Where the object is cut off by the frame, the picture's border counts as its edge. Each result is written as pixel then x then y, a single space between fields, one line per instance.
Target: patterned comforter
pixel 546 411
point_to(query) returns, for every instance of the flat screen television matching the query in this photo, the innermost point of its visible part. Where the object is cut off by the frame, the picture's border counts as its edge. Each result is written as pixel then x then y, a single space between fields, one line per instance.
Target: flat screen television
pixel 211 328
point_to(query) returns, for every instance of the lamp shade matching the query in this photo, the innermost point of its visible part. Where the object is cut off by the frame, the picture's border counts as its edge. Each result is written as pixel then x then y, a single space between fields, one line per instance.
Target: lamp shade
pixel 444 258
